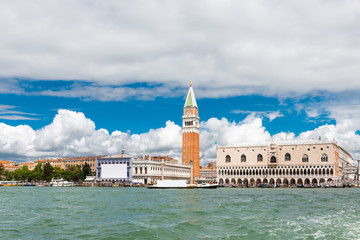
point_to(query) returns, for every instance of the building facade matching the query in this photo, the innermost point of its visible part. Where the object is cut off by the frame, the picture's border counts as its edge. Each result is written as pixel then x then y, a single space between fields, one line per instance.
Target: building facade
pixel 65 163
pixel 148 170
pixel 8 165
pixel 208 174
pixel 287 163
pixel 30 165
pixel 190 135
pixel 115 168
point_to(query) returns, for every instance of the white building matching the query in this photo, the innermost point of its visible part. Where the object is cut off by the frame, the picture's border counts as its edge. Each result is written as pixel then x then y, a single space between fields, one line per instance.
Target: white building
pixel 149 171
pixel 115 168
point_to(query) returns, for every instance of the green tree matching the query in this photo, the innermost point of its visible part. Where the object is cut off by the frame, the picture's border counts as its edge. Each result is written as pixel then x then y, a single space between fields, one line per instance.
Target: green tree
pixel 25 173
pixel 17 174
pixel 48 172
pixel 9 176
pixel 2 169
pixel 76 173
pixel 37 176
pixel 38 168
pixel 86 170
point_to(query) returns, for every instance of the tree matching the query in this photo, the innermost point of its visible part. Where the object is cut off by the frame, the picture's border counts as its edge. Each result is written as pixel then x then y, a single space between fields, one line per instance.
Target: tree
pixel 48 172
pixel 9 175
pixel 85 170
pixel 25 173
pixel 76 173
pixel 2 169
pixel 38 168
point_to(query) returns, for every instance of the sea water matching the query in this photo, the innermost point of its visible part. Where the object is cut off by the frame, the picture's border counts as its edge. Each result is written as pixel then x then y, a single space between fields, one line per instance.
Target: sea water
pixel 141 213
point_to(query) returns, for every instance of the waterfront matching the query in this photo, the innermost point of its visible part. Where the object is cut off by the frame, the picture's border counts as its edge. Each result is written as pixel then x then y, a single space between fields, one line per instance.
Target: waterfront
pixel 140 213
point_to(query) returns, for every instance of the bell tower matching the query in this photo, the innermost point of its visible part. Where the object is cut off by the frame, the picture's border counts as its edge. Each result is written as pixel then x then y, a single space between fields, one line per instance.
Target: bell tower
pixel 190 133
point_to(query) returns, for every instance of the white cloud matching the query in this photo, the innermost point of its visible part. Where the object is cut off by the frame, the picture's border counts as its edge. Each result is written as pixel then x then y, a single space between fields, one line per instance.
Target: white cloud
pixel 72 134
pixel 6 110
pixel 271 115
pixel 274 115
pixel 227 48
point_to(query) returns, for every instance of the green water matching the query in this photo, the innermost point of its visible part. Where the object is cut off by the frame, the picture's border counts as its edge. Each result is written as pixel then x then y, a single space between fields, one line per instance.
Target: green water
pixel 140 213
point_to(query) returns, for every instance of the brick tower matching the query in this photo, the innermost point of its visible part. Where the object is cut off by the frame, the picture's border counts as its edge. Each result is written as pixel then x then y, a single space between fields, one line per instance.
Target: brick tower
pixel 190 136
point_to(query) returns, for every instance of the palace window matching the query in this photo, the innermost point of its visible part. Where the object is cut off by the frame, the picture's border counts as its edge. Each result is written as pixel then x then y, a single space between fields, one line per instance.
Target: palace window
pixel 243 158
pixel 324 158
pixel 273 159
pixel 287 157
pixel 227 158
pixel 305 158
pixel 259 158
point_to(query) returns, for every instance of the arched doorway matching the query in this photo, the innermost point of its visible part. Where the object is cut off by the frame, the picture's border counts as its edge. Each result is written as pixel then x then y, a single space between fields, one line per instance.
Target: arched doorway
pixel 278 181
pixel 233 181
pixel 221 181
pixel 239 181
pixel 322 180
pixel 314 181
pixel 329 180
pixel 246 182
pixel 292 181
pixel 227 181
pixel 307 181
pixel 286 182
pixel 299 181
pixel 258 181
pixel 265 180
pixel 272 181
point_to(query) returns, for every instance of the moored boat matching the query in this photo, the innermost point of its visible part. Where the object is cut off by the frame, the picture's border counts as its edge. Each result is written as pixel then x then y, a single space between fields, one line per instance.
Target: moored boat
pixel 180 184
pixel 61 183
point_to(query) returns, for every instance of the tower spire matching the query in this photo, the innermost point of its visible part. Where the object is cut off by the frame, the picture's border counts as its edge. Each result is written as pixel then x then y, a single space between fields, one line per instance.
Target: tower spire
pixel 190 99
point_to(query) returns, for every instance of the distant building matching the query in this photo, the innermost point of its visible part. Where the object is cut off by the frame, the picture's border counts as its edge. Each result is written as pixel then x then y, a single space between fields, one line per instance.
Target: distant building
pixel 30 165
pixel 115 168
pixel 208 174
pixel 148 170
pixel 65 163
pixel 9 165
pixel 286 163
pixel 190 135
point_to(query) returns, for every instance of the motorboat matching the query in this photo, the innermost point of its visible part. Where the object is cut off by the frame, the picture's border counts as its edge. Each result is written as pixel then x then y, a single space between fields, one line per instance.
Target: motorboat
pixel 61 183
pixel 180 184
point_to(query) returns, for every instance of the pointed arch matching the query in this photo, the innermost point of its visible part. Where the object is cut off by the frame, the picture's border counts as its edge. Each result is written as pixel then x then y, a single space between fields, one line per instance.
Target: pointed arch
pixel 287 157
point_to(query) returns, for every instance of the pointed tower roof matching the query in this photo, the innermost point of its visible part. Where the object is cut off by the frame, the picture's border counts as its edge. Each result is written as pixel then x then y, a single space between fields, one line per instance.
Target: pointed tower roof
pixel 190 99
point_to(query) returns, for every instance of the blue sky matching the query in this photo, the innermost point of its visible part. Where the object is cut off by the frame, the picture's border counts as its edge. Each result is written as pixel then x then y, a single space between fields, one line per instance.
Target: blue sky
pixel 138 116
pixel 116 76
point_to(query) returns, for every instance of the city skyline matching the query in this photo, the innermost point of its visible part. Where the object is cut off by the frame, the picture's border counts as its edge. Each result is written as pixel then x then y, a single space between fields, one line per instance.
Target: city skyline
pixel 116 77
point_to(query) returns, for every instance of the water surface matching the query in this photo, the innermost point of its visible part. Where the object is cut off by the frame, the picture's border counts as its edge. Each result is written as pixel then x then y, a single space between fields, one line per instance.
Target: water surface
pixel 141 213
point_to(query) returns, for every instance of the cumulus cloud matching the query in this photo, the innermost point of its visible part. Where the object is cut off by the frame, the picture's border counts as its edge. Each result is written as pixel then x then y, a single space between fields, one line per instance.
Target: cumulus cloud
pixel 72 134
pixel 228 48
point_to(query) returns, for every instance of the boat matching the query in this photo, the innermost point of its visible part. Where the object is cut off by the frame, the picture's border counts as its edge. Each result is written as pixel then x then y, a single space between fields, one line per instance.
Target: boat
pixel 206 185
pixel 61 183
pixel 180 184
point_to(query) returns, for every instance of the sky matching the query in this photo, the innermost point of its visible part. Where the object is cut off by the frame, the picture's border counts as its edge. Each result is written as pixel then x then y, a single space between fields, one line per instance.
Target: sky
pixel 86 78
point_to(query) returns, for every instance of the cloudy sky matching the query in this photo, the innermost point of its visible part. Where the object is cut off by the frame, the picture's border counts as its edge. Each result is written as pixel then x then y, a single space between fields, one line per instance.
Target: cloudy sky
pixel 82 78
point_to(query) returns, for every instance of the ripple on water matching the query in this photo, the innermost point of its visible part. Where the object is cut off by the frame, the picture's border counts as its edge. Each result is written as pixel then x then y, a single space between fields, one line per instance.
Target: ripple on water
pixel 139 213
